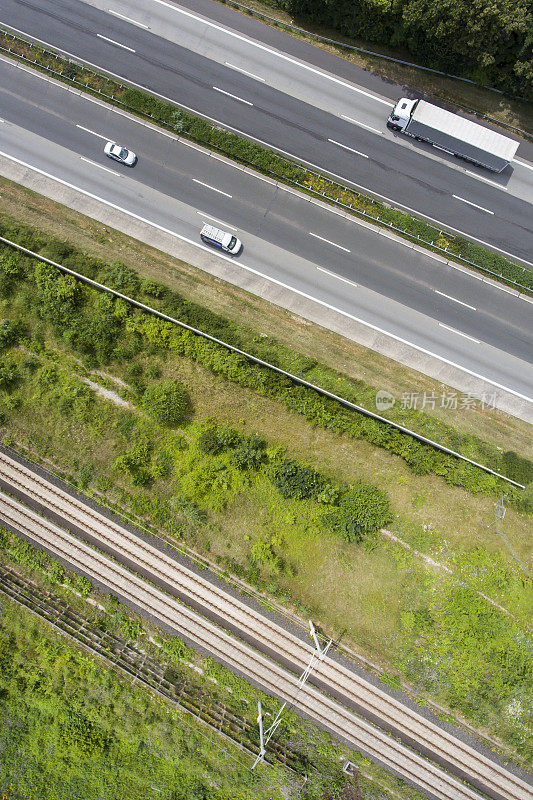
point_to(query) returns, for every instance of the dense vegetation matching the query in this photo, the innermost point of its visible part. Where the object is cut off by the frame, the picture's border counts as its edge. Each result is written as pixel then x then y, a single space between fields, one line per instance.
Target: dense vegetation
pixel 260 511
pixel 94 325
pixel 72 729
pixel 486 40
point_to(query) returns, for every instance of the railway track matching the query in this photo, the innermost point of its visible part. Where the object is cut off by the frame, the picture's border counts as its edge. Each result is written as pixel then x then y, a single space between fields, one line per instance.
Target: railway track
pixel 265 634
pixel 140 668
pixel 238 655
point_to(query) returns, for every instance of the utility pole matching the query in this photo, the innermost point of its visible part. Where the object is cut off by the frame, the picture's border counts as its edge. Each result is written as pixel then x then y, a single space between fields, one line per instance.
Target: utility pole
pixel 318 654
pixel 499 515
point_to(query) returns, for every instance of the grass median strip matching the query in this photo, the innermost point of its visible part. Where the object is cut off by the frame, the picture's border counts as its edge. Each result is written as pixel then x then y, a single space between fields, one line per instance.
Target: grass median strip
pixel 260 158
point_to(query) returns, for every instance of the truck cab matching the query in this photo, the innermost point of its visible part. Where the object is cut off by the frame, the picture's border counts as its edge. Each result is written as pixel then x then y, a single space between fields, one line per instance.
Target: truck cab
pixel 401 114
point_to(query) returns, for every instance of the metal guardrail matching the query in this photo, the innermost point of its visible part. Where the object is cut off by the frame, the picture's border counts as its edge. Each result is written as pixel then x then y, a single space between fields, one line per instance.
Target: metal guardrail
pixel 284 179
pixel 253 13
pixel 260 362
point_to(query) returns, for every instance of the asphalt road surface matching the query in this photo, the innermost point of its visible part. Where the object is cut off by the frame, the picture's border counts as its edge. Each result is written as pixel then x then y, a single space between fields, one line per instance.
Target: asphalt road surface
pixel 286 104
pixel 297 243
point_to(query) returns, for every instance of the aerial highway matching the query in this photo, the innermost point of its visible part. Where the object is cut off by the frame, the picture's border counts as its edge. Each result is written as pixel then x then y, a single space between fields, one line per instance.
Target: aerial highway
pixel 296 243
pixel 287 103
pixel 49 513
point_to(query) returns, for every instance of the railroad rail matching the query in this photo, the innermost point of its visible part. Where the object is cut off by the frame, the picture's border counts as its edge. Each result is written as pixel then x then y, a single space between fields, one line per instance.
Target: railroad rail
pixel 266 635
pixel 139 667
pixel 242 658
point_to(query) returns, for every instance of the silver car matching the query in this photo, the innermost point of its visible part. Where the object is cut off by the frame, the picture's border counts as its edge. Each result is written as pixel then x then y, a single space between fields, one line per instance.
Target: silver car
pixel 119 153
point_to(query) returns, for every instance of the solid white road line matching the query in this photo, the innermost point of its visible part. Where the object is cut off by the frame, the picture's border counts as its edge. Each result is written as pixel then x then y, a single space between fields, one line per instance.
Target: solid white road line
pixel 233 96
pixel 275 281
pixel 215 219
pixel 395 203
pixel 455 300
pixel 345 147
pixel 158 130
pixel 469 202
pixel 94 164
pixel 276 53
pixel 105 138
pixel 361 124
pixel 128 19
pixel 522 163
pixel 118 44
pixel 244 72
pixel 213 188
pixel 334 275
pixel 459 333
pixel 327 241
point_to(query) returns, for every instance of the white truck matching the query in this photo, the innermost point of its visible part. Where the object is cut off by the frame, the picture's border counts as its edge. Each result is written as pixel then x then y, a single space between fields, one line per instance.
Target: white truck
pixel 452 133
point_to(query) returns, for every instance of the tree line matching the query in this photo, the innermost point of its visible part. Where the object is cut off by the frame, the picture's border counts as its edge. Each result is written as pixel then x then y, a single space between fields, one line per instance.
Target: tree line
pixel 488 41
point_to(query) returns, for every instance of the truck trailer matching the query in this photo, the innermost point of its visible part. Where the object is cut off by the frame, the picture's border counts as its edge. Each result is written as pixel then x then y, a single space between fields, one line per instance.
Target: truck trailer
pixel 452 133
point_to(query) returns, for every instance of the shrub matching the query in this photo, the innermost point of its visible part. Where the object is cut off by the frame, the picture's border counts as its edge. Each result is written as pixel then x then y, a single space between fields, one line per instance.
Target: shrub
pixel 30 364
pixel 9 375
pixel 85 476
pixel 209 480
pixel 121 278
pixel 56 573
pixel 48 376
pixel 74 398
pixel 517 468
pixel 56 295
pixel 134 371
pixel 297 482
pixel 11 333
pixel 136 462
pixel 4 538
pixel 363 510
pixel 130 628
pixel 209 442
pixel 186 507
pixel 56 250
pixel 249 453
pixel 163 464
pixel 228 437
pixel 166 402
pixel 153 288
pixel 153 371
pixel 21 551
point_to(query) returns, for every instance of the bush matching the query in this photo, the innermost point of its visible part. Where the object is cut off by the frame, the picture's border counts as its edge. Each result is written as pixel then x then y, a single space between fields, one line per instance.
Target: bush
pixel 363 510
pixel 11 333
pixel 517 468
pixel 121 278
pixel 9 375
pixel 163 464
pixel 153 371
pixel 136 462
pixel 166 402
pixel 249 453
pixel 56 295
pixel 297 482
pixel 209 442
pixel 47 376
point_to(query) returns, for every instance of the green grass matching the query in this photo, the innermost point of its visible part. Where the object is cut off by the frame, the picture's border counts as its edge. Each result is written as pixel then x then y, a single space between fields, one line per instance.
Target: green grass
pixel 84 731
pixel 240 518
pixel 344 367
pixel 363 592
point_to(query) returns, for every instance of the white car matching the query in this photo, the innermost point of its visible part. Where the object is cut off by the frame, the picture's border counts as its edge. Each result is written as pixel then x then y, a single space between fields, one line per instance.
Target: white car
pixel 119 153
